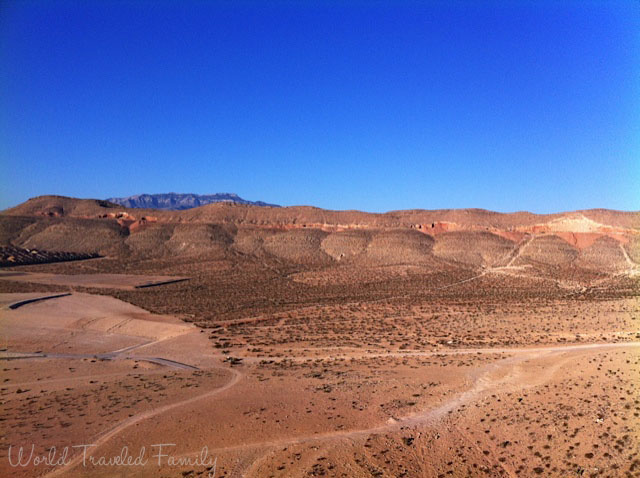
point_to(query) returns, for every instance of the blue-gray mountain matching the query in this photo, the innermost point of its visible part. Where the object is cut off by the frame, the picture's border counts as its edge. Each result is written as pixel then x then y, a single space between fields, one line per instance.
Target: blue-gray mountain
pixel 179 201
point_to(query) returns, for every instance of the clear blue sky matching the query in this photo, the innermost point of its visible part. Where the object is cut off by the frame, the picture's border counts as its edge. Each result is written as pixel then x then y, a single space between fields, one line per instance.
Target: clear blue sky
pixel 342 105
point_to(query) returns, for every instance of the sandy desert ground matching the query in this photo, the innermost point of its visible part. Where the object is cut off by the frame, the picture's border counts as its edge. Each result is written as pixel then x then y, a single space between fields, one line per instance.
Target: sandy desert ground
pixel 319 343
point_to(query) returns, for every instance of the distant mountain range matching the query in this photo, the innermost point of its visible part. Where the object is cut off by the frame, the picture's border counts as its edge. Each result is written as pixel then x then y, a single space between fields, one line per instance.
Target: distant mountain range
pixel 178 201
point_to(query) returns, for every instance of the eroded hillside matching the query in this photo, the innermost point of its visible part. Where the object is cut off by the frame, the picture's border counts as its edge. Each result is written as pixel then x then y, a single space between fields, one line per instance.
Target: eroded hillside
pixel 598 240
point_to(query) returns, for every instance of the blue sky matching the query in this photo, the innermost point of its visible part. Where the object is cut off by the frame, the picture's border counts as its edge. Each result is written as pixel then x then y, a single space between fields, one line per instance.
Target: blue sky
pixel 342 105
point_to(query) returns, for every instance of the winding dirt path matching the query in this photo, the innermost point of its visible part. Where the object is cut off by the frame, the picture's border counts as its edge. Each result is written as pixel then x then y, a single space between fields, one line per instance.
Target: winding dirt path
pixel 484 379
pixel 461 351
pixel 123 425
pixel 517 252
pixel 505 375
pixel 632 265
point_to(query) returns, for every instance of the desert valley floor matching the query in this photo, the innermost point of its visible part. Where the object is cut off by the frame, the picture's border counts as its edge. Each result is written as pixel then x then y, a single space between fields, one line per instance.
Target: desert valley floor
pixel 337 346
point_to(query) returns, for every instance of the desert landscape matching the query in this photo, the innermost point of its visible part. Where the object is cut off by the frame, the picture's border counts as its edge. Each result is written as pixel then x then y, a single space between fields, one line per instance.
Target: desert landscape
pixel 239 340
pixel 331 239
